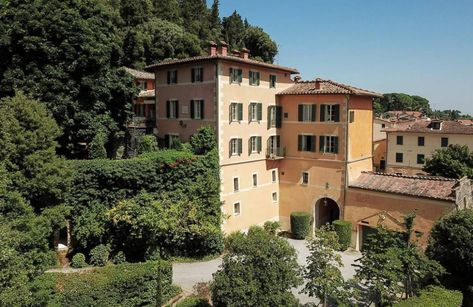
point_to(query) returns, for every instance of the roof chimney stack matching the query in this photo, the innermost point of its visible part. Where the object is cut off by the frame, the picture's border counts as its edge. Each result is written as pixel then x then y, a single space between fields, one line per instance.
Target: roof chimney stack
pixel 297 78
pixel 236 53
pixel 317 83
pixel 223 49
pixel 244 53
pixel 212 48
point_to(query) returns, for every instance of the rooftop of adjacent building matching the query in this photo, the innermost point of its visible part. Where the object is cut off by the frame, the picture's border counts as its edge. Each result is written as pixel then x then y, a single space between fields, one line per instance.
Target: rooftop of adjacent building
pixel 138 74
pixel 320 87
pixel 420 186
pixel 431 126
pixel 222 53
pixel 147 93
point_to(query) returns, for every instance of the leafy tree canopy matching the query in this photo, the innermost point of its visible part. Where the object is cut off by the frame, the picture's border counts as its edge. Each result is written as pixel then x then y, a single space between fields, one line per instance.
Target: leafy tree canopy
pixel 455 161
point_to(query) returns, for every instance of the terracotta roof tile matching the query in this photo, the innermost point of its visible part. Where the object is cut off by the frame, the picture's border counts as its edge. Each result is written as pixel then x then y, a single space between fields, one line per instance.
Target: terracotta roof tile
pixel 221 57
pixel 138 74
pixel 147 94
pixel 320 86
pixel 425 126
pixel 419 186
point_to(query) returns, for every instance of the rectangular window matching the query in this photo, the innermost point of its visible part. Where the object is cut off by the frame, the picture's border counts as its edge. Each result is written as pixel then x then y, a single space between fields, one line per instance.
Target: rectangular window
pixel 399 140
pixel 420 141
pixel 305 177
pixel 274 117
pixel 352 116
pixel 140 110
pixel 256 112
pixel 197 109
pixel 255 180
pixel 306 142
pixel 172 109
pixel 236 75
pixel 444 142
pixel 255 144
pixel 236 184
pixel 236 112
pixel 172 76
pixel 236 209
pixel 197 74
pixel 274 176
pixel 383 126
pixel 235 147
pixel 328 144
pixel 274 197
pixel 254 77
pixel 142 85
pixel 399 157
pixel 272 81
pixel 329 113
pixel 307 112
pixel 420 159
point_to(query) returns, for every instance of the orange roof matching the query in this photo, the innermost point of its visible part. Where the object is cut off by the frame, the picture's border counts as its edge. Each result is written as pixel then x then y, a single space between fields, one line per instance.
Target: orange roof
pixel 425 126
pixel 138 74
pixel 419 186
pixel 220 57
pixel 319 86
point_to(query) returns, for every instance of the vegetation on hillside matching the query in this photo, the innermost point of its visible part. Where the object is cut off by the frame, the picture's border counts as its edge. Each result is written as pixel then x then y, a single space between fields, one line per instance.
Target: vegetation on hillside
pixel 455 161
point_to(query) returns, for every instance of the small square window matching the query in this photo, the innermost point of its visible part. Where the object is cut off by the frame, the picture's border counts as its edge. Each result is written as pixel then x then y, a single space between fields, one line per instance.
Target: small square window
pixel 399 140
pixel 172 76
pixel 274 176
pixel 255 180
pixel 420 141
pixel 236 209
pixel 420 159
pixel 236 184
pixel 305 177
pixel 352 116
pixel 444 142
pixel 383 126
pixel 274 197
pixel 399 157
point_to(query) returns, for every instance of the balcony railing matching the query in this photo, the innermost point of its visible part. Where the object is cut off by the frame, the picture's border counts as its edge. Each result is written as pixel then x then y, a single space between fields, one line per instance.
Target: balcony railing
pixel 275 153
pixel 142 122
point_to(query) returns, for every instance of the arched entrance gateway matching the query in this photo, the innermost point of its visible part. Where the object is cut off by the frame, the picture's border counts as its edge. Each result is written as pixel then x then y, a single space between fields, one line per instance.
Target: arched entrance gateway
pixel 326 211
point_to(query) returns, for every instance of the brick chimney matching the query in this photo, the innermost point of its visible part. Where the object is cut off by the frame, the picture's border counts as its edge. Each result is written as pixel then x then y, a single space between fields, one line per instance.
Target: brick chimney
pixel 236 53
pixel 318 81
pixel 244 53
pixel 212 48
pixel 223 49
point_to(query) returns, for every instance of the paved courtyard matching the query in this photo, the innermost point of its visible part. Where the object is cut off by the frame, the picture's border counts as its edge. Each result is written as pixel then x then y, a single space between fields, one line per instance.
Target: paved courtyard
pixel 187 275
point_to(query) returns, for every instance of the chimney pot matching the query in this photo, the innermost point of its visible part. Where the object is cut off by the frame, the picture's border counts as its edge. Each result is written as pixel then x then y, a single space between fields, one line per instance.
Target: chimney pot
pixel 297 78
pixel 317 83
pixel 212 48
pixel 244 53
pixel 236 53
pixel 223 49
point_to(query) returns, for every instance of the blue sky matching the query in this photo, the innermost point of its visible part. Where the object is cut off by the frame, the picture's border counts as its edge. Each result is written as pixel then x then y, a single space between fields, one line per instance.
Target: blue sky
pixel 422 47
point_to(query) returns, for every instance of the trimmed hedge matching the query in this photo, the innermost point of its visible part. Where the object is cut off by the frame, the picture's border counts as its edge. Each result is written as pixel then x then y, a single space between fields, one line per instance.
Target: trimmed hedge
pixel 78 261
pixel 193 301
pixel 140 284
pixel 434 296
pixel 343 230
pixel 300 225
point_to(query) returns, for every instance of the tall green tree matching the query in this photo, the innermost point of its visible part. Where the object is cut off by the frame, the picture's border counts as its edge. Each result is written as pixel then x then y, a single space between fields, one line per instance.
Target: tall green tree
pixel 195 16
pixel 234 31
pixel 455 161
pixel 67 55
pixel 215 21
pixel 401 102
pixel 259 269
pixel 260 44
pixel 167 10
pixel 322 273
pixel 135 13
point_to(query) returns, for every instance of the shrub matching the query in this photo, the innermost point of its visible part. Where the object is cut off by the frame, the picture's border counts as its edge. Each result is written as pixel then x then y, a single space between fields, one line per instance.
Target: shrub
pixel 204 140
pixel 193 301
pixel 78 261
pixel 147 143
pixel 343 230
pixel 119 258
pixel 140 284
pixel 300 225
pixel 99 255
pixel 97 146
pixel 272 227
pixel 434 296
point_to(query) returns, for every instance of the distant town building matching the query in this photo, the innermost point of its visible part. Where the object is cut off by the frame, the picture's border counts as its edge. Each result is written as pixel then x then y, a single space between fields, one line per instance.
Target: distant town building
pixel 379 143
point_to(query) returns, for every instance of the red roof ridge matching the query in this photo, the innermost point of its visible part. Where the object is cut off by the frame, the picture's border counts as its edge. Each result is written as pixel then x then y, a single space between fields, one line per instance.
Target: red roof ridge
pixel 422 177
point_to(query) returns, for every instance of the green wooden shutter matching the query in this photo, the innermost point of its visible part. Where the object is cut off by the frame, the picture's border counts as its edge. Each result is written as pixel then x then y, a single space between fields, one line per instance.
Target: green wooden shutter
pixel 321 143
pixel 278 116
pixel 322 112
pixel 240 111
pixel 177 76
pixel 231 75
pixel 192 109
pixel 202 110
pixel 193 75
pixel 313 112
pixel 240 75
pixel 168 109
pixel 240 146
pixel 336 110
pixel 301 112
pixel 230 119
pixel 166 140
pixel 312 143
pixel 258 143
pixel 258 78
pixel 169 77
pixel 249 145
pixel 201 74
pixel 336 145
pixel 259 108
pixel 299 142
pixel 177 109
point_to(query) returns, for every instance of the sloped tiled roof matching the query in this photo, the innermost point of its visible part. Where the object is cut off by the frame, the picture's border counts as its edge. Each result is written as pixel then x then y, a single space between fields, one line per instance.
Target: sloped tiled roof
pixel 138 74
pixel 320 86
pixel 221 57
pixel 147 94
pixel 425 126
pixel 419 186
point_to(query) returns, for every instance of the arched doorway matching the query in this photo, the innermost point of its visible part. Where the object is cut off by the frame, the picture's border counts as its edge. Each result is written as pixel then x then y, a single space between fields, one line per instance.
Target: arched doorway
pixel 326 211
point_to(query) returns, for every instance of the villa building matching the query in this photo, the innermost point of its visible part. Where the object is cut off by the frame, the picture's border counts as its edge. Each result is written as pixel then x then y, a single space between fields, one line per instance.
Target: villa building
pixel 409 144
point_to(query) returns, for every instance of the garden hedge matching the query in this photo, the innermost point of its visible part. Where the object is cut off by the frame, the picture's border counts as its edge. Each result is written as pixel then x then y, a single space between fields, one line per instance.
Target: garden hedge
pixel 300 225
pixel 139 284
pixel 343 230
pixel 434 296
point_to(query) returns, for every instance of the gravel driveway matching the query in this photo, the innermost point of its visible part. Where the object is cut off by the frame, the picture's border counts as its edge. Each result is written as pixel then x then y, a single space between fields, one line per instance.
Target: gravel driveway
pixel 187 275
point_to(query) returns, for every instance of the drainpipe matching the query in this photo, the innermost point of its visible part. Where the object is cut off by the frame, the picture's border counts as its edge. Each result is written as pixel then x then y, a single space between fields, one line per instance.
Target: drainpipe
pixel 347 122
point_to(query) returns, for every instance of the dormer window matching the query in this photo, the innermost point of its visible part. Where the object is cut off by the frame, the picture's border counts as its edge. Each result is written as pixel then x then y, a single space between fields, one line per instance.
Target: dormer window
pixel 436 125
